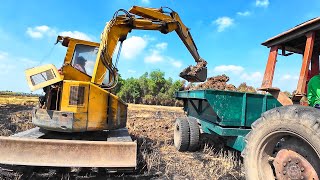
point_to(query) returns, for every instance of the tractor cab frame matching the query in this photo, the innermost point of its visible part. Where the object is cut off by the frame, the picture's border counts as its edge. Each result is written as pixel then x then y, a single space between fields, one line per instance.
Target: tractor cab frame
pixel 303 39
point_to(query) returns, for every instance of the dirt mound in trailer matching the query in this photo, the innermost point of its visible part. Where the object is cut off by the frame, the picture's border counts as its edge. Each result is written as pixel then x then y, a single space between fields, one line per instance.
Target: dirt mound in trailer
pixel 220 83
pixel 152 128
pixel 217 83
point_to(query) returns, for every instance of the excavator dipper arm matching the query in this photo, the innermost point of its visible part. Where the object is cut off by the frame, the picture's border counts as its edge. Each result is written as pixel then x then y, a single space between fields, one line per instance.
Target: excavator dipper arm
pixel 145 19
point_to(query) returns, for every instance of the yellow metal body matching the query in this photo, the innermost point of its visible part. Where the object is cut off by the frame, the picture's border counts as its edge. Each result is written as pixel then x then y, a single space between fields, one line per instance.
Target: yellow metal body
pixel 81 101
pixel 48 74
pixel 98 110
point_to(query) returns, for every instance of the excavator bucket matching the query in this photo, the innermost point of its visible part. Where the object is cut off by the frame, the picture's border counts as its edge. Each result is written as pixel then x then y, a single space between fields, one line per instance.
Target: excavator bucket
pixel 196 73
pixel 199 76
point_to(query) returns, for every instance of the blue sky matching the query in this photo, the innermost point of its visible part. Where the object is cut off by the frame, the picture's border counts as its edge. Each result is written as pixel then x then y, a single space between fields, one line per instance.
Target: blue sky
pixel 227 33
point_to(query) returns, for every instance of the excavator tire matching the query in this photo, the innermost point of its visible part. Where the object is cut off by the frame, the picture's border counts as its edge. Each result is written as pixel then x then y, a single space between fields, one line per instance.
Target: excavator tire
pixel 284 144
pixel 194 134
pixel 181 134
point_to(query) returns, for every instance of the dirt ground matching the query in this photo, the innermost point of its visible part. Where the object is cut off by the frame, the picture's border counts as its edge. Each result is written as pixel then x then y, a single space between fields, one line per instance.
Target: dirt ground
pixel 152 128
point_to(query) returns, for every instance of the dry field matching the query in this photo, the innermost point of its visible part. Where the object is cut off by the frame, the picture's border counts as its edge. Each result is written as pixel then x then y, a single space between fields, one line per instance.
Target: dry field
pixel 152 128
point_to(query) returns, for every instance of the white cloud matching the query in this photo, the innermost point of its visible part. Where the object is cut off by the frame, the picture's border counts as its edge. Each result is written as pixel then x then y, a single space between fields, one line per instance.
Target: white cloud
pixel 175 63
pixel 145 1
pixel 229 68
pixel 289 77
pixel 40 31
pixel 223 23
pixel 28 62
pixel 162 46
pixel 154 57
pixel 245 13
pixel 43 28
pixel 3 55
pixel 131 71
pixel 9 63
pixel 133 47
pixel 6 68
pixel 253 77
pixel 76 34
pixel 262 3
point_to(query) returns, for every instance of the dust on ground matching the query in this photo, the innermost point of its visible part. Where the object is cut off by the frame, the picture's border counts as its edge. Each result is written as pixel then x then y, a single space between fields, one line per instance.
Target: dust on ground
pixel 152 128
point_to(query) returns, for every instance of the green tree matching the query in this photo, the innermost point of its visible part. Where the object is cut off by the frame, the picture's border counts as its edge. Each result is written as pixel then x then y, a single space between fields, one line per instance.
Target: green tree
pixel 130 91
pixel 157 82
pixel 144 84
pixel 120 83
pixel 176 86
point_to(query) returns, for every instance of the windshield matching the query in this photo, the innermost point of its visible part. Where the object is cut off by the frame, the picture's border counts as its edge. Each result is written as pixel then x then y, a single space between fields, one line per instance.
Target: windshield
pixel 84 58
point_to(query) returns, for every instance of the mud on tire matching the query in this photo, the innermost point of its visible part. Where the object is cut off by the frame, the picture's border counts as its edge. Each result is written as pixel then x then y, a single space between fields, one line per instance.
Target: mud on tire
pixel 194 134
pixel 181 134
pixel 285 128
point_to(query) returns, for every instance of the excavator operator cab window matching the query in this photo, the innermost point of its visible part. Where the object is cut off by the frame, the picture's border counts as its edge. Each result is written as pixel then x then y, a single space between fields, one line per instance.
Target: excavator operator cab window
pixel 84 58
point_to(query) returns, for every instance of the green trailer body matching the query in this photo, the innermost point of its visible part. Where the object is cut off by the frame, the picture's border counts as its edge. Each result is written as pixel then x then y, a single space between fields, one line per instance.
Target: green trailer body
pixel 227 114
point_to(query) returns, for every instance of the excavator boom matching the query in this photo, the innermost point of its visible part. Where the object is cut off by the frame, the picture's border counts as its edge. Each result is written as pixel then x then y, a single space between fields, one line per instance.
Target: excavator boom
pixel 146 19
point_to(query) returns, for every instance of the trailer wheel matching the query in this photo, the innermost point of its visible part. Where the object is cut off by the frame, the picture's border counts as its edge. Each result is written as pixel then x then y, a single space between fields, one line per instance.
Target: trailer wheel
pixel 194 134
pixel 284 144
pixel 181 134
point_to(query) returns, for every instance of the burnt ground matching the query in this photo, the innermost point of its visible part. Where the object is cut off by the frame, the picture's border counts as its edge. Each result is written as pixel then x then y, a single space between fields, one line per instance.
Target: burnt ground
pixel 152 128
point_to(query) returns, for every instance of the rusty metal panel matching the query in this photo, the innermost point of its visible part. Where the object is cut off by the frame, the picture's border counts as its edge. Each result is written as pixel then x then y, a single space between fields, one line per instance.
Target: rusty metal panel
pixel 294 33
pixel 53 120
pixel 76 95
pixel 305 63
pixel 271 64
pixel 67 153
pixel 117 112
pixel 281 97
pixel 59 120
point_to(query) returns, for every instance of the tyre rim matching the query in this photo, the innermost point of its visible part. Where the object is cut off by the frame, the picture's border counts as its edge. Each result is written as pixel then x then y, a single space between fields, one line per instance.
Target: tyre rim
pixel 278 161
pixel 289 164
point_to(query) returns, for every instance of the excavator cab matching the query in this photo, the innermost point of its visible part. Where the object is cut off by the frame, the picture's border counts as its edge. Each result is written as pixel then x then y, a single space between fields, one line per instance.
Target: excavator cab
pixel 68 90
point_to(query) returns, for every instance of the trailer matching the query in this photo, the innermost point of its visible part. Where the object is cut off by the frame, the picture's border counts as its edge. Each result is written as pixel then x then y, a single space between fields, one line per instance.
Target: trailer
pixel 257 125
pixel 226 114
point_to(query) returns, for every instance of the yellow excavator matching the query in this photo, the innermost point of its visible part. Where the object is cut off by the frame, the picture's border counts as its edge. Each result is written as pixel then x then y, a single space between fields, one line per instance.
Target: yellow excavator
pixel 80 123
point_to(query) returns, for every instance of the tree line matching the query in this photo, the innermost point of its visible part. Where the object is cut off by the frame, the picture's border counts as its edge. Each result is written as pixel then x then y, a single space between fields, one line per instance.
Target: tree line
pixel 150 88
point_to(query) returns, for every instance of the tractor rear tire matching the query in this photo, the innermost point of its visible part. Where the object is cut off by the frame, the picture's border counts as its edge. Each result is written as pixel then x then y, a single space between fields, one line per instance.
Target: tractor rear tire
pixel 194 134
pixel 181 134
pixel 273 138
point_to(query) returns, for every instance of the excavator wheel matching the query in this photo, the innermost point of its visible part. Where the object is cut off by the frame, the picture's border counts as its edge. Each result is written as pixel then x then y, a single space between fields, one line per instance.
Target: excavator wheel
pixel 284 144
